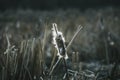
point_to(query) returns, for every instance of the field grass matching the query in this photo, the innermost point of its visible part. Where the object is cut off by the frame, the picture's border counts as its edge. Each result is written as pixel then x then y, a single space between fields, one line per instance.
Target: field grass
pixel 27 52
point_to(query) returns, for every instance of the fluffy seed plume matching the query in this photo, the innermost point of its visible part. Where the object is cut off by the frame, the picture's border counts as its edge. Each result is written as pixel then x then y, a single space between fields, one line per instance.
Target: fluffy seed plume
pixel 59 42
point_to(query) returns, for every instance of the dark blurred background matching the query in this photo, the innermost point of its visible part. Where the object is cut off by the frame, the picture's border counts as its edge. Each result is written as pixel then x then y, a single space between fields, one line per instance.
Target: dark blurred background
pixel 26 25
pixel 55 4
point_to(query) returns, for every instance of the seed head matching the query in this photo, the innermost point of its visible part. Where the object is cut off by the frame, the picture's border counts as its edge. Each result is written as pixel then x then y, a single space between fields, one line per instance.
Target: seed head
pixel 59 42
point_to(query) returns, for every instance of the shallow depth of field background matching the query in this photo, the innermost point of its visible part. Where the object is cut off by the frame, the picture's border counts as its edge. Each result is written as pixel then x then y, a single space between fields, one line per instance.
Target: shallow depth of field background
pixel 97 43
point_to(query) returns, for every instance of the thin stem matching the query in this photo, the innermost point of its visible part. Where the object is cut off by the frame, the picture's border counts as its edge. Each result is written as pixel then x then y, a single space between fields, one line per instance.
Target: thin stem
pixel 29 74
pixel 106 49
pixel 79 28
pixel 53 60
pixel 66 69
pixel 54 66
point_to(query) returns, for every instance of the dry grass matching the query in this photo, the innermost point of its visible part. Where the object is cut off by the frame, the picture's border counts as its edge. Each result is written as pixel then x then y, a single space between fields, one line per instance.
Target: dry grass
pixel 27 53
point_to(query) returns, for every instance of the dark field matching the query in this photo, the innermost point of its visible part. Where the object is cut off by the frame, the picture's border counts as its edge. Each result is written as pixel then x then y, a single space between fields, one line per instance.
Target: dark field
pixel 27 52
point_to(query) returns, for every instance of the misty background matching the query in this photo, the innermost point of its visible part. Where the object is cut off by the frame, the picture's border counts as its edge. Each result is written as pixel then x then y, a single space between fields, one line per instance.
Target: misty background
pixel 26 49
